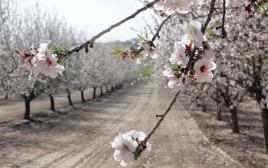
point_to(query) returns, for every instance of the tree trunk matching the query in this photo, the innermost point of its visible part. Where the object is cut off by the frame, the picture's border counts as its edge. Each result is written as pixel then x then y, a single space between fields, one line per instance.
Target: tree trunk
pixel 198 104
pixel 235 125
pixel 264 115
pixel 219 112
pixel 107 89
pixel 101 91
pixel 52 103
pixel 6 97
pixel 204 107
pixel 94 92
pixel 70 100
pixel 27 108
pixel 82 96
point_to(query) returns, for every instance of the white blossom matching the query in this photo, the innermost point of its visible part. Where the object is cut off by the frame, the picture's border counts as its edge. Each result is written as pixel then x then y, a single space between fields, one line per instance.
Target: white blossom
pixel 179 55
pixel 193 30
pixel 171 6
pixel 203 69
pixel 125 146
pixel 46 63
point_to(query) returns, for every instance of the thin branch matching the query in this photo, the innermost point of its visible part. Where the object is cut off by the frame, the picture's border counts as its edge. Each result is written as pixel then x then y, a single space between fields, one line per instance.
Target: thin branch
pixel 94 38
pixel 162 116
pixel 212 8
pixel 223 32
pixel 158 31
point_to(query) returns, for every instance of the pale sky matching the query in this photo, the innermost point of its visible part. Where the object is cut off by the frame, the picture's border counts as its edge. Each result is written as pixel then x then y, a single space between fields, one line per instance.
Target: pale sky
pixel 97 15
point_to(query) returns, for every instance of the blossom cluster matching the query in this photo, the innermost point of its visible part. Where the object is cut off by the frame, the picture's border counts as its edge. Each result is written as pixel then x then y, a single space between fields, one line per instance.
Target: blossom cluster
pixel 200 68
pixel 42 60
pixel 144 51
pixel 126 151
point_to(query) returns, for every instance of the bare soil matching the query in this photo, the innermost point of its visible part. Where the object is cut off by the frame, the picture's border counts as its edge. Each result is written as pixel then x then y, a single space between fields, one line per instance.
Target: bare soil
pixel 80 137
pixel 247 147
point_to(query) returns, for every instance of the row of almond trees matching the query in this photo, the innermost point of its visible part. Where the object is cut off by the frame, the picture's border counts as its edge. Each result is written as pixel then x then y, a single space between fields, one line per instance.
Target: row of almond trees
pixel 242 67
pixel 33 26
pixel 241 59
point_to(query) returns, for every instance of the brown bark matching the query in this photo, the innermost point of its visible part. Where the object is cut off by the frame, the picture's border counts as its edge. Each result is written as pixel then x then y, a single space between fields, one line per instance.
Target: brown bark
pixel 94 92
pixel 27 100
pixel 264 115
pixel 219 112
pixel 107 90
pixel 204 107
pixel 27 109
pixel 235 125
pixel 69 99
pixel 52 103
pixel 101 91
pixel 82 96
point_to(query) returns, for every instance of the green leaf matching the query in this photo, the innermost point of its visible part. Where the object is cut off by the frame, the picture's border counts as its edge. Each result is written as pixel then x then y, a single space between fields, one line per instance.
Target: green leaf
pixel 17 50
pixel 116 50
pixel 136 154
pixel 141 38
pixel 257 8
pixel 209 31
pixel 65 47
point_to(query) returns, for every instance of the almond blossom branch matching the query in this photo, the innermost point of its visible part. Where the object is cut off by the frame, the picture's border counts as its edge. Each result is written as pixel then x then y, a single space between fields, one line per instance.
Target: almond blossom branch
pixel 158 31
pixel 94 38
pixel 162 116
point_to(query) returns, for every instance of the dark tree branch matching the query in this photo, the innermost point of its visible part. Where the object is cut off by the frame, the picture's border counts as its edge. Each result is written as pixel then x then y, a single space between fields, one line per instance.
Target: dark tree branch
pixel 223 32
pixel 94 38
pixel 158 31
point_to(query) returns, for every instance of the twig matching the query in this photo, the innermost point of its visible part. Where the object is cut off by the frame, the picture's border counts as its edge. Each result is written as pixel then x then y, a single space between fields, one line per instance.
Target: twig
pixel 212 8
pixel 223 32
pixel 162 116
pixel 94 38
pixel 158 31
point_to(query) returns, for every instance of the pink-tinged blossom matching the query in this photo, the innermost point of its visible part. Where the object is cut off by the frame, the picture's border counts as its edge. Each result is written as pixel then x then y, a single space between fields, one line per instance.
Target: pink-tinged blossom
pixel 125 146
pixel 44 48
pixel 174 81
pixel 172 6
pixel 149 50
pixel 193 30
pixel 139 136
pixel 203 69
pixel 179 55
pixel 208 55
pixel 186 39
pixel 47 65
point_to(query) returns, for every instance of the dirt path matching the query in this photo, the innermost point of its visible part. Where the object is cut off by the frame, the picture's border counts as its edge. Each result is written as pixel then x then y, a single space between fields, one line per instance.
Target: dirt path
pixel 81 138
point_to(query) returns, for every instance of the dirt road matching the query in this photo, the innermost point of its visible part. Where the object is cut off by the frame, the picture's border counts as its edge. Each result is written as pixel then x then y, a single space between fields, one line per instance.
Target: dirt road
pixel 81 136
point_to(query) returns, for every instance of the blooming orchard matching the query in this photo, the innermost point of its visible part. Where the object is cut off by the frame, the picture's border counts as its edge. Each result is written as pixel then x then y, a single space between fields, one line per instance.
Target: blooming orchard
pixel 192 60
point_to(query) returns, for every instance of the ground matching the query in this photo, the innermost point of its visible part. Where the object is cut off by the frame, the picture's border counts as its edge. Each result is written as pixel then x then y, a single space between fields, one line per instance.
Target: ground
pixel 80 136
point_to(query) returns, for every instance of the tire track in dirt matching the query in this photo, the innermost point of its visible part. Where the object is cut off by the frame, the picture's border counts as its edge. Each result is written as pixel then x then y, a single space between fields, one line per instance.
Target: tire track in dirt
pixel 177 143
pixel 80 150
